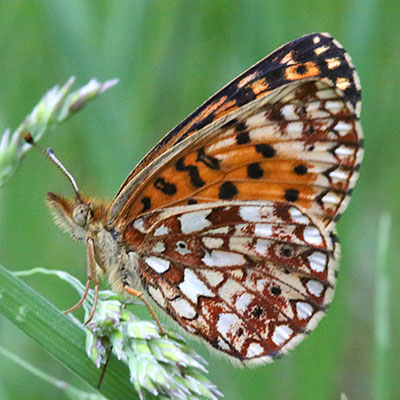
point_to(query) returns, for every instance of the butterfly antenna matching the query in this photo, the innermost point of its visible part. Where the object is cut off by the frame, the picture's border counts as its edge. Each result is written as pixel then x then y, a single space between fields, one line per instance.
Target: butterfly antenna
pixel 49 153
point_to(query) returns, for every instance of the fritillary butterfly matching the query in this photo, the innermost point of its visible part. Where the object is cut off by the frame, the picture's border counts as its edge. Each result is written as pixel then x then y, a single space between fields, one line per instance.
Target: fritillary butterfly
pixel 228 224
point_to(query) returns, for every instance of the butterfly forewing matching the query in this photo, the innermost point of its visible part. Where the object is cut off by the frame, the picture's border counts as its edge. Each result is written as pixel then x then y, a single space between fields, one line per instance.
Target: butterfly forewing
pixel 300 143
pixel 314 55
pixel 250 278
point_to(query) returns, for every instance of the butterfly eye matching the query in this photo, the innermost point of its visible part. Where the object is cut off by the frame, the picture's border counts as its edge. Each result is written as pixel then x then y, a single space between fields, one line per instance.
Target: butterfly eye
pixel 80 214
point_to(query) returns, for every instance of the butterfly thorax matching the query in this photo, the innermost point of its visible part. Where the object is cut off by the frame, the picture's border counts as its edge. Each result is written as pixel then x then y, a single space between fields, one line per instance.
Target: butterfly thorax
pixel 85 218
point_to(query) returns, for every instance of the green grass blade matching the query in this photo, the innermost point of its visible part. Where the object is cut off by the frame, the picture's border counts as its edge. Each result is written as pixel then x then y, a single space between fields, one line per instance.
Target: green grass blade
pixel 69 390
pixel 49 327
pixel 382 306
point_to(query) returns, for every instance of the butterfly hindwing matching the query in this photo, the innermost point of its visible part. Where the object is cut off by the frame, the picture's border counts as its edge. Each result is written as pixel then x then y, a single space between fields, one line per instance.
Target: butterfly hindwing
pixel 250 278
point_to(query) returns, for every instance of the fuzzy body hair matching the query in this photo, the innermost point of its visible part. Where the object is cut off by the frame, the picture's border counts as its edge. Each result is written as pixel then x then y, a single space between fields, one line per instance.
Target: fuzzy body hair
pixel 112 258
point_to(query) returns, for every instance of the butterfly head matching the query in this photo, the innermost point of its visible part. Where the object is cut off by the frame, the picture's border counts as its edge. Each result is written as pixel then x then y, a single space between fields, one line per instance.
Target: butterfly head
pixel 77 217
pixel 73 216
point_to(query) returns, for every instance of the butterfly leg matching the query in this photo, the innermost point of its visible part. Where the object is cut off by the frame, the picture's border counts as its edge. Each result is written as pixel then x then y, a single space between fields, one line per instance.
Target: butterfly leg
pixel 92 270
pixel 91 275
pixel 147 304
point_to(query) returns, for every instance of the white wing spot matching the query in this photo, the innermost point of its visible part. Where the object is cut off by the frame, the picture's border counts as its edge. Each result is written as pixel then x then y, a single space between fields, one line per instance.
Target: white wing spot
pixel 223 230
pixel 139 225
pixel 312 107
pixel 334 106
pixel 342 83
pixel 316 39
pixel 331 198
pixel 344 151
pixel 221 144
pixel 319 114
pixel 339 174
pixel 157 296
pixel 237 273
pixel 317 261
pixel 312 236
pixel 333 63
pixel 161 230
pixel 240 244
pixel 294 128
pixel 230 290
pixel 214 278
pixel 320 50
pixel 243 301
pixel 261 284
pixel 315 287
pixel 219 258
pixel 250 213
pixel 288 112
pixel 325 94
pixel 262 246
pixel 256 121
pixel 183 308
pixel 158 264
pixel 343 128
pixel 356 79
pixel 222 344
pixel 192 287
pixel 281 334
pixel 254 350
pixel 263 230
pixel 212 243
pixel 159 247
pixel 227 323
pixel 297 216
pixel 194 221
pixel 304 310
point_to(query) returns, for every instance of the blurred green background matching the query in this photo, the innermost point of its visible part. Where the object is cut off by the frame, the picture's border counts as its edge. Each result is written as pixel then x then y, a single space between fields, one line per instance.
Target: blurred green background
pixel 170 56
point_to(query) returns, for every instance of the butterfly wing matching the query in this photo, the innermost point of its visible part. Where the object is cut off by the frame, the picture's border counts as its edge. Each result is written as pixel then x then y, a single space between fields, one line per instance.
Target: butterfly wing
pixel 232 215
pixel 250 278
pixel 315 55
pixel 299 143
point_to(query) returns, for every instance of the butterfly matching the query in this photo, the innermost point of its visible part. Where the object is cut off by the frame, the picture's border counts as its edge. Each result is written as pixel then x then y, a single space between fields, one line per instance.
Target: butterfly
pixel 228 223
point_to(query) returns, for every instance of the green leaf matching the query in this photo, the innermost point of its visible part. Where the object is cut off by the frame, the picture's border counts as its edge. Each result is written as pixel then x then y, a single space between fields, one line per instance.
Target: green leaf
pixel 59 335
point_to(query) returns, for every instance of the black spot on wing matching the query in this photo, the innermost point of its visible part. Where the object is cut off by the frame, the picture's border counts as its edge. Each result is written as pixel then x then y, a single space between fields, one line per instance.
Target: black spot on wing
pixel 301 69
pixel 193 172
pixel 254 171
pixel 165 187
pixel 243 137
pixel 275 290
pixel 291 195
pixel 257 311
pixel 227 191
pixel 300 170
pixel 146 201
pixel 266 150
pixel 244 95
pixel 209 161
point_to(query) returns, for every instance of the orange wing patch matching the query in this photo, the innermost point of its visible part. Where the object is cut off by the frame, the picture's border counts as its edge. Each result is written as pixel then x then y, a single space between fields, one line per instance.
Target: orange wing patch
pixel 289 63
pixel 304 149
pixel 308 69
